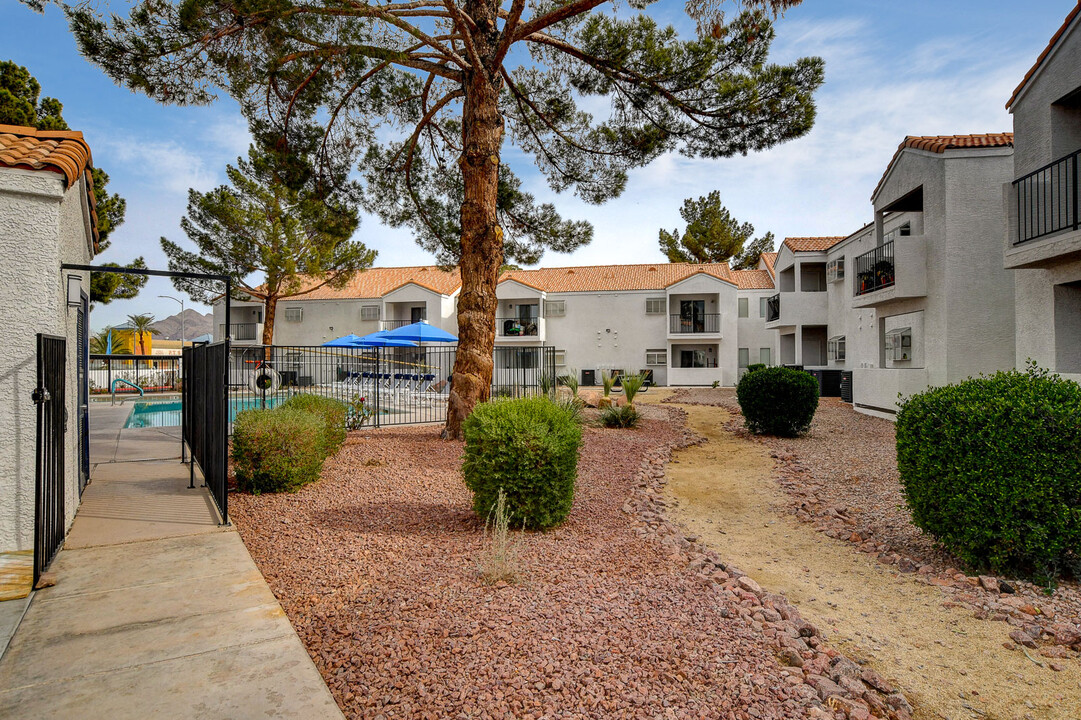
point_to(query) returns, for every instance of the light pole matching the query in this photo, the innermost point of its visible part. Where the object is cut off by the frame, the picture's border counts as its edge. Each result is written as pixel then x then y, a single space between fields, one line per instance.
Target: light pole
pixel 170 297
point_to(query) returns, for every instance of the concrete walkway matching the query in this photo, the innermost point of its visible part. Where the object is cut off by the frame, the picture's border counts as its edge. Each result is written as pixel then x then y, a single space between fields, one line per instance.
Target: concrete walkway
pixel 156 612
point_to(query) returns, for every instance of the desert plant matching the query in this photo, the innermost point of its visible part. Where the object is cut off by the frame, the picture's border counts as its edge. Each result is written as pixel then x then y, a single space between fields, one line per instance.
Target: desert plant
pixel 570 381
pixel 573 406
pixel 990 467
pixel 528 448
pixel 358 413
pixel 620 417
pixel 632 384
pixel 330 410
pixel 546 384
pixel 716 384
pixel 607 381
pixel 500 561
pixel 277 450
pixel 778 401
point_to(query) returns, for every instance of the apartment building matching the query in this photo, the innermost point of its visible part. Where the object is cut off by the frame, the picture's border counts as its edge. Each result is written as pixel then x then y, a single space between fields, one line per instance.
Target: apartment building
pixel 686 324
pixel 1041 199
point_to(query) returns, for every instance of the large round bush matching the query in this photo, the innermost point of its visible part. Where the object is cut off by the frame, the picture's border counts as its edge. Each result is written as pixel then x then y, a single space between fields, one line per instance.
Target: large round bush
pixel 778 401
pixel 277 450
pixel 529 448
pixel 332 411
pixel 991 467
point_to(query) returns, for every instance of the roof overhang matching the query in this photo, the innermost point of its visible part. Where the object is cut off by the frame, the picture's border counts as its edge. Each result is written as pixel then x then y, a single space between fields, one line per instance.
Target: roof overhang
pixel 1070 23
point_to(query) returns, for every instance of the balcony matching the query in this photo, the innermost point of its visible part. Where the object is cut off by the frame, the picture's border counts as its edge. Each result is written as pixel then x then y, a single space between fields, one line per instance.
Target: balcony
pixel 1046 210
pixel 892 271
pixel 394 324
pixel 522 330
pixel 799 308
pixel 241 332
pixel 699 324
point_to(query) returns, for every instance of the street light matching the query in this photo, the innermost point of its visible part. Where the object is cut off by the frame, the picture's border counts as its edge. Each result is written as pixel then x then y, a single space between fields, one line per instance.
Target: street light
pixel 170 297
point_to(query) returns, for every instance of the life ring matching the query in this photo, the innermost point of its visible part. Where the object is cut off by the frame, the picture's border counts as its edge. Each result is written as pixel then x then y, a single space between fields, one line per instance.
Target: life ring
pixel 265 380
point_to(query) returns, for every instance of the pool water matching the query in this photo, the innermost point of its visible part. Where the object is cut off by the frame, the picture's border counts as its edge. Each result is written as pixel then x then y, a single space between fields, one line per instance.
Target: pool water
pixel 164 413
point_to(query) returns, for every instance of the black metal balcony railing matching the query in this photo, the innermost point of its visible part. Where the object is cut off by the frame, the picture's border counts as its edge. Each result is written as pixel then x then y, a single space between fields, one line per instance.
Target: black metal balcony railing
pixel 395 324
pixel 875 269
pixel 241 331
pixel 516 327
pixel 1047 199
pixel 702 323
pixel 773 307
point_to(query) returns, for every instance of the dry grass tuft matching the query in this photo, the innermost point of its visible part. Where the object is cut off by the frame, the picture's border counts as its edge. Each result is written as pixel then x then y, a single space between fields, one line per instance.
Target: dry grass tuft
pixel 500 561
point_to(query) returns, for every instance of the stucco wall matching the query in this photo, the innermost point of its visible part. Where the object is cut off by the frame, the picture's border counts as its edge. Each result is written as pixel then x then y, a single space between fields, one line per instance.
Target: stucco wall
pixel 751 330
pixel 41 226
pixel 1036 313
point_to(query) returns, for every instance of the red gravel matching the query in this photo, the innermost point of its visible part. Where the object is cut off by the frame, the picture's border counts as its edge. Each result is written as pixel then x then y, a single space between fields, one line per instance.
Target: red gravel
pixel 376 566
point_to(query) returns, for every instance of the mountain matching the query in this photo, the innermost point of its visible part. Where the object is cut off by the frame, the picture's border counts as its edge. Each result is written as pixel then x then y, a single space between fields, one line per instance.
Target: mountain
pixel 195 324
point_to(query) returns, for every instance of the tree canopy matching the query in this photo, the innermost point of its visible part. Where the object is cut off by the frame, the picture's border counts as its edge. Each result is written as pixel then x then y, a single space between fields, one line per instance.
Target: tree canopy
pixel 275 241
pixel 712 235
pixel 413 92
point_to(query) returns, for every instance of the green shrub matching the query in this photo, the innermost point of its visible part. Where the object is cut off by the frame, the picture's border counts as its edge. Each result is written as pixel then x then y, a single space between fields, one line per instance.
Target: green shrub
pixel 631 385
pixel 756 366
pixel 620 417
pixel 778 401
pixel 277 450
pixel 529 449
pixel 991 467
pixel 608 380
pixel 332 411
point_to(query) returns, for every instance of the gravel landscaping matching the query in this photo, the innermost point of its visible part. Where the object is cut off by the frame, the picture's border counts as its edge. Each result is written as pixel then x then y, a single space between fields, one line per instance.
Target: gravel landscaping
pixel 842 477
pixel 376 566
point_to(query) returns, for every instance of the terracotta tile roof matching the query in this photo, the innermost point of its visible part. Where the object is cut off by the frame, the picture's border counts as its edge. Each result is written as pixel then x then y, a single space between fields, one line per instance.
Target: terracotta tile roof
pixel 60 151
pixel 601 278
pixel 942 143
pixel 753 279
pixel 770 259
pixel 812 244
pixel 377 282
pixel 1043 56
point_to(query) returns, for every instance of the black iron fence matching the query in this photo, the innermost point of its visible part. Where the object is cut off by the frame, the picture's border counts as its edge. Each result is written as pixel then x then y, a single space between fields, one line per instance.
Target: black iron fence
pixel 1047 199
pixel 875 269
pixel 516 327
pixel 205 417
pixel 380 386
pixel 773 307
pixel 247 331
pixel 125 374
pixel 50 398
pixel 690 324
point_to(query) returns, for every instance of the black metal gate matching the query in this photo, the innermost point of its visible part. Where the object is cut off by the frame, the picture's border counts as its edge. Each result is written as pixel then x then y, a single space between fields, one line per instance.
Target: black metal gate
pixel 205 417
pixel 82 367
pixel 49 396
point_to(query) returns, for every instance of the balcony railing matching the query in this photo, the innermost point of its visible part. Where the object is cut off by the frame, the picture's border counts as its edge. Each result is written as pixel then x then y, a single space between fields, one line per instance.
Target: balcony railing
pixel 241 331
pixel 395 324
pixel 516 327
pixel 875 269
pixel 1047 199
pixel 773 307
pixel 703 323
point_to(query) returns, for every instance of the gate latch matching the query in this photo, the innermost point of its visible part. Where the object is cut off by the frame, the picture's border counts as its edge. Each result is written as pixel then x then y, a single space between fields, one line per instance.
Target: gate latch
pixel 40 396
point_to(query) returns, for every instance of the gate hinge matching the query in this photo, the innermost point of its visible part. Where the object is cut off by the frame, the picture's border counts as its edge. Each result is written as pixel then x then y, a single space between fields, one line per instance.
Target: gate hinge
pixel 40 396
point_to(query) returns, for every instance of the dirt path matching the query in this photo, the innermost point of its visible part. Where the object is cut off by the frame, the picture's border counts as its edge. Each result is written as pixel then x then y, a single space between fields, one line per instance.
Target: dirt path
pixel 947 662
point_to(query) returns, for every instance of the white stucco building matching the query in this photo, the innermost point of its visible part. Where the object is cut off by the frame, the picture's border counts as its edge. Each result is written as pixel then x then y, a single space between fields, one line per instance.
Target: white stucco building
pixel 1043 232
pixel 47 217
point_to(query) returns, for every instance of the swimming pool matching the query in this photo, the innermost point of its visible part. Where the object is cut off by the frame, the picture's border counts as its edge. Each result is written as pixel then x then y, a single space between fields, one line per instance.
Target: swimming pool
pixel 164 413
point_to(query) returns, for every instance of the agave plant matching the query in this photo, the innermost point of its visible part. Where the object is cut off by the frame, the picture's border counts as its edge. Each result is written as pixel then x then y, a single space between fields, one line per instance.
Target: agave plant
pixel 631 385
pixel 570 380
pixel 608 380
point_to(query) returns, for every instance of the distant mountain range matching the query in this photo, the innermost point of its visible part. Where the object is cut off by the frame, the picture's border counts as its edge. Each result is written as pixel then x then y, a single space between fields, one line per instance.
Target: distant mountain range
pixel 195 324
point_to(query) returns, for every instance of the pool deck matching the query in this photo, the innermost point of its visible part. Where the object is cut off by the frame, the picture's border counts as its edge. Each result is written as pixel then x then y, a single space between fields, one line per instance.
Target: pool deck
pixel 157 610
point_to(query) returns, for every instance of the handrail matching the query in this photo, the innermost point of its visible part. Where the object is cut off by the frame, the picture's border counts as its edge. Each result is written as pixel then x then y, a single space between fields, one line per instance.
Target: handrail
pixel 1047 199
pixel 112 389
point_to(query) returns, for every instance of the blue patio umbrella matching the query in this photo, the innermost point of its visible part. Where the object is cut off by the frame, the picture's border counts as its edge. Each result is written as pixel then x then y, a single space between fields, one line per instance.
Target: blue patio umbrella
pixel 349 340
pixel 420 332
pixel 379 339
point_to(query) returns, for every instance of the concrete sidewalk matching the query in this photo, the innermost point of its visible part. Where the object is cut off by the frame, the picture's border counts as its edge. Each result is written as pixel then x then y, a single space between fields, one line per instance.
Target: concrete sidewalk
pixel 156 612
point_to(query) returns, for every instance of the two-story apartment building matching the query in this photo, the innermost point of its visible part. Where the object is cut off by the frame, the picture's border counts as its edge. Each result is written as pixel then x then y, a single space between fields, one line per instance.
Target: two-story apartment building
pixel 1043 232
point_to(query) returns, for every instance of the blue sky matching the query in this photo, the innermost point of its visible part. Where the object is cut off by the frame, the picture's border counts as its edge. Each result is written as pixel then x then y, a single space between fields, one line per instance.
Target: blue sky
pixel 892 69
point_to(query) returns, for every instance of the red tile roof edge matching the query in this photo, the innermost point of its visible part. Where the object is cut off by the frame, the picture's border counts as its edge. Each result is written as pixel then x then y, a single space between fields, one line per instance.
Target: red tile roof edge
pixel 942 143
pixel 1043 55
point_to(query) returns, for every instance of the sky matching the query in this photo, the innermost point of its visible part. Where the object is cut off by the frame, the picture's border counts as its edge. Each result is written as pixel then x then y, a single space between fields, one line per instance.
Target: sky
pixel 892 69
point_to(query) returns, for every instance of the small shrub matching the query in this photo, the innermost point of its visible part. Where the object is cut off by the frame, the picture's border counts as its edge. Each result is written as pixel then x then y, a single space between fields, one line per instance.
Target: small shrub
pixel 546 384
pixel 570 381
pixel 620 417
pixel 529 449
pixel 573 406
pixel 716 384
pixel 608 380
pixel 756 366
pixel 500 561
pixel 991 468
pixel 277 450
pixel 778 401
pixel 631 385
pixel 330 410
pixel 358 413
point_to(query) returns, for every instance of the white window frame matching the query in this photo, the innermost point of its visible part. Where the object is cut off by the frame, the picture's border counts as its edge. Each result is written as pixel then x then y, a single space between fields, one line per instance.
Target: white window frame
pixel 899 344
pixel 743 307
pixel 294 314
pixel 560 358
pixel 836 348
pixel 835 270
pixel 657 357
pixel 652 308
pixel 366 314
pixel 555 308
pixel 762 306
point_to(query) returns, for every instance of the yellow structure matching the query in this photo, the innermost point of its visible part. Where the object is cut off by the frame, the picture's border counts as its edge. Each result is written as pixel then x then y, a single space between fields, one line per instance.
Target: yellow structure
pixel 129 344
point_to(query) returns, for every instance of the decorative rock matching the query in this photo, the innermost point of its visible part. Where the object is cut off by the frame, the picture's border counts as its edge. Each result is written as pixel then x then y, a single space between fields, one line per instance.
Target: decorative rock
pixel 790 657
pixel 1021 637
pixel 989 583
pixel 750 585
pixel 876 681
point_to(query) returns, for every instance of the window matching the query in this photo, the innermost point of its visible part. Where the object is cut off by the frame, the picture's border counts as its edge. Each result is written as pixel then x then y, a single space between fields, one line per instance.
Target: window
pixel 762 303
pixel 655 306
pixel 899 344
pixel 369 312
pixel 835 270
pixel 764 356
pixel 555 308
pixel 294 314
pixel 743 304
pixel 744 357
pixel 416 314
pixel 258 315
pixel 903 231
pixel 560 357
pixel 836 347
pixel 656 357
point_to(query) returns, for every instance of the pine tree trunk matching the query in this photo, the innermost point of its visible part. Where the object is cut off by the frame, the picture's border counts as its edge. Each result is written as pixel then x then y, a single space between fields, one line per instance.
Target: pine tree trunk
pixel 482 238
pixel 270 307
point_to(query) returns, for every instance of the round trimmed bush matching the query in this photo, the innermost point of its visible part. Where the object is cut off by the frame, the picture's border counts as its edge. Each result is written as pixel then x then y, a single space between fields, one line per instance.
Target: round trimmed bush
pixel 277 450
pixel 778 401
pixel 332 411
pixel 991 467
pixel 529 448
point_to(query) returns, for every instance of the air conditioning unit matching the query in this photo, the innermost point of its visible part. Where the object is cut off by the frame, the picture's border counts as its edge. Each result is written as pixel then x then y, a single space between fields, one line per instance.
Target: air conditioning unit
pixel 589 377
